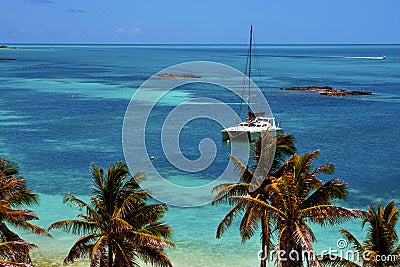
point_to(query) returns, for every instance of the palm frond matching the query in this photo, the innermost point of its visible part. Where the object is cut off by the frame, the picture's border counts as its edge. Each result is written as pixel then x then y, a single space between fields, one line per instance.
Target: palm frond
pixel 391 217
pixel 283 192
pixel 14 264
pixel 154 212
pixel 158 229
pixel 76 227
pixel 228 219
pixel 356 245
pixel 154 256
pixel 285 147
pixel 245 174
pixel 330 214
pixel 250 221
pixel 264 153
pixel 15 216
pixel 22 197
pixel 98 179
pixel 396 251
pixel 250 201
pixel 95 213
pixel 8 168
pixel 328 168
pixel 308 229
pixel 73 201
pixel 131 210
pixel 98 249
pixel 382 235
pixel 124 256
pixel 13 250
pixel 14 191
pixel 119 225
pixel 142 238
pixel 81 248
pixel 28 226
pixel 284 167
pixel 391 213
pixel 226 190
pixel 333 189
pixel 132 184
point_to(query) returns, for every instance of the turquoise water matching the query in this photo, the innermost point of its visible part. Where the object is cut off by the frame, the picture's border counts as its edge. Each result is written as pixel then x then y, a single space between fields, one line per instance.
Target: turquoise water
pixel 62 107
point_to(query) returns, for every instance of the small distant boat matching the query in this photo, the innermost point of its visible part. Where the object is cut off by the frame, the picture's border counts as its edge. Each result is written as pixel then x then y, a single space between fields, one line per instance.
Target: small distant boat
pixel 384 57
pixel 255 123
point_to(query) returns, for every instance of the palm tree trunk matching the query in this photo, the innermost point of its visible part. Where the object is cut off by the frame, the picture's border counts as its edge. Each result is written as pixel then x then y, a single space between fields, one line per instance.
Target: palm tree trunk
pixel 263 259
pixel 264 233
pixel 283 247
pixel 291 253
pixel 292 256
pixel 110 255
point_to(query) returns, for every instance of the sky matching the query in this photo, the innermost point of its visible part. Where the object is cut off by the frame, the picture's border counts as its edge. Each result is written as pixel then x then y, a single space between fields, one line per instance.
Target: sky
pixel 200 22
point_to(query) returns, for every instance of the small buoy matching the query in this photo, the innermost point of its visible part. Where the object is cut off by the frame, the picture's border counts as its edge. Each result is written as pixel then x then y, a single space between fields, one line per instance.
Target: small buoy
pixel 152 157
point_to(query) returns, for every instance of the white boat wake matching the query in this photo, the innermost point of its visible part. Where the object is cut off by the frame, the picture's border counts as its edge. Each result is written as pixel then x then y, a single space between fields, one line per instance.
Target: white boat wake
pixel 382 57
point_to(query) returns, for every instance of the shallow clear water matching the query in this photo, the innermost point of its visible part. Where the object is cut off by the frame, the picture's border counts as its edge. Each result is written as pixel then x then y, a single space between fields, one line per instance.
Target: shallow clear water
pixel 62 107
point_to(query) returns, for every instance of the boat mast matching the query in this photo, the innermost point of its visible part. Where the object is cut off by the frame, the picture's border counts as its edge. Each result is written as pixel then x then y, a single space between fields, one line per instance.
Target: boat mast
pixel 248 100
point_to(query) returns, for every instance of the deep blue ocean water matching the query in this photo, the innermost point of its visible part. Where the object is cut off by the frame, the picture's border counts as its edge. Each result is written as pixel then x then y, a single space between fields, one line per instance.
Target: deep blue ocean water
pixel 62 107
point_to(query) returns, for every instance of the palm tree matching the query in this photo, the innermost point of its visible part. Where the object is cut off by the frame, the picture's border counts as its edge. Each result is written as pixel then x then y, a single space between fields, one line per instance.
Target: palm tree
pixel 379 249
pixel 14 194
pixel 297 197
pixel 118 226
pixel 261 154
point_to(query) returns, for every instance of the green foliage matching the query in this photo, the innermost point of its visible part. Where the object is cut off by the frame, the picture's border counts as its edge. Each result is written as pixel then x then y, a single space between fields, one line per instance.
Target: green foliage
pixel 380 242
pixel 118 225
pixel 14 195
pixel 287 198
pixel 297 197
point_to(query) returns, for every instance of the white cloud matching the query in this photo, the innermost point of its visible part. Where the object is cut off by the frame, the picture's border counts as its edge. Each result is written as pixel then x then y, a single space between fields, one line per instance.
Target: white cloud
pixel 136 30
pixel 119 30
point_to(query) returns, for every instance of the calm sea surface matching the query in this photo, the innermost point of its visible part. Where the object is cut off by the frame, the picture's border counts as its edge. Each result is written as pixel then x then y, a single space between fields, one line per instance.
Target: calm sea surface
pixel 62 107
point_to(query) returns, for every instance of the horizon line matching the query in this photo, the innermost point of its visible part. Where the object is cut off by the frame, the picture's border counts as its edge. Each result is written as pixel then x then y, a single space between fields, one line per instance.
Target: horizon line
pixel 219 44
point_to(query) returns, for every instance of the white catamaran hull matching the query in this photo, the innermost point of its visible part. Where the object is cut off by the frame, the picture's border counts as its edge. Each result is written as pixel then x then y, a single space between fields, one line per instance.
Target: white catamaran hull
pixel 244 133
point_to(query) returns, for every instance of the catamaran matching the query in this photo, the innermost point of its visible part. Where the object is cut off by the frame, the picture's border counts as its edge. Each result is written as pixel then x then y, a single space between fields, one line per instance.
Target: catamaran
pixel 255 123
